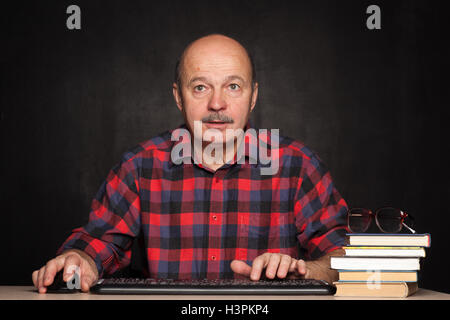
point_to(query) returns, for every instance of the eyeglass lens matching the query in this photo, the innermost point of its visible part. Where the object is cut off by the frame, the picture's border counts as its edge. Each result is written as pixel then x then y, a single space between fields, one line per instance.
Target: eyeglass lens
pixel 358 219
pixel 389 220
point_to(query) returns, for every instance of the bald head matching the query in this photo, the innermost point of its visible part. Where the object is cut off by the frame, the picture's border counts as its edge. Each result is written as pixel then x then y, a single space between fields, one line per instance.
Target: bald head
pixel 214 49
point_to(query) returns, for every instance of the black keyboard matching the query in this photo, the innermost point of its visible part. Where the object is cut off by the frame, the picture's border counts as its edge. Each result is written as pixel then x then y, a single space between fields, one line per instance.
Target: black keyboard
pixel 214 287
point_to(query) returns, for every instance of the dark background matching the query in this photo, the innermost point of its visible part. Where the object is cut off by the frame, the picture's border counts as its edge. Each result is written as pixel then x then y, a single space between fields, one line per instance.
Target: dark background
pixel 372 103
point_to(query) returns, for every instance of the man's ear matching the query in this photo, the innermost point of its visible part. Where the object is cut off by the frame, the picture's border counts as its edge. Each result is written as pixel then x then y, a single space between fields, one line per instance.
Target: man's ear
pixel 254 96
pixel 177 96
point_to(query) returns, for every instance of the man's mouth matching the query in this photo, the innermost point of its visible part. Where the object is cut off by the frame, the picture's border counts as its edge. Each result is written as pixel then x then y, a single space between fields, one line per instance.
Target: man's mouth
pixel 215 124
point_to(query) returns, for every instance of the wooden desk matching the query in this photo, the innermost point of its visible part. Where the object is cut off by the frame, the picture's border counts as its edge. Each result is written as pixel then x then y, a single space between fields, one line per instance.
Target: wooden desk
pixel 29 293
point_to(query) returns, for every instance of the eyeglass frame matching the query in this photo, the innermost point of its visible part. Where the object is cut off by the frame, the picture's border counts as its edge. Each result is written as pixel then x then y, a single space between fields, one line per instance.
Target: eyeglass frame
pixel 373 215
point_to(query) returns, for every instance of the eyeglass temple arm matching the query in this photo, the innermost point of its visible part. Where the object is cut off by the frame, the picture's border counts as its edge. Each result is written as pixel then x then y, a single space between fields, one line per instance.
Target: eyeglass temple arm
pixel 404 224
pixel 410 229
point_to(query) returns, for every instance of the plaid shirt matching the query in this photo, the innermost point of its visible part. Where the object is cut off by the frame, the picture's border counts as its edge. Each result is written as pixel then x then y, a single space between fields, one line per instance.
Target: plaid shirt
pixel 193 221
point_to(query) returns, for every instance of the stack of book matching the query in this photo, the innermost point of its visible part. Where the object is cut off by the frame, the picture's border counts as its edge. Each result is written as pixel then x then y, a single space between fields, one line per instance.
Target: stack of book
pixel 380 265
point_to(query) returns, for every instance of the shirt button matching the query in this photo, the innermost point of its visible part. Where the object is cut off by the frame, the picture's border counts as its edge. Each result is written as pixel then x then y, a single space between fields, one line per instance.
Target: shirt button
pixel 214 218
pixel 213 257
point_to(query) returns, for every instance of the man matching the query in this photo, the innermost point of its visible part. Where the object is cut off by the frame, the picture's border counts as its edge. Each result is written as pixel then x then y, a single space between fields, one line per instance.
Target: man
pixel 203 219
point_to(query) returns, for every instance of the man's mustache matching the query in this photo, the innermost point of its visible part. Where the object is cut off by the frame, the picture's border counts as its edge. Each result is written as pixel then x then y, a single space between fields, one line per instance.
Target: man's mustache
pixel 217 117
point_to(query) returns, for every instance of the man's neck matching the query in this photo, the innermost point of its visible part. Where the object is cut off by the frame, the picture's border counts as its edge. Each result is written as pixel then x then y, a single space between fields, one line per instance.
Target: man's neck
pixel 209 158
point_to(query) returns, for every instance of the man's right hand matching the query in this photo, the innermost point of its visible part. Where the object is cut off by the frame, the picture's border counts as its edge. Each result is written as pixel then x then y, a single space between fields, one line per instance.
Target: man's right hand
pixel 70 261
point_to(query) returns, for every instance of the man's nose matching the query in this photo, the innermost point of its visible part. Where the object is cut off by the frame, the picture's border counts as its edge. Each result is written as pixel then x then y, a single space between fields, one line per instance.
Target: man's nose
pixel 217 101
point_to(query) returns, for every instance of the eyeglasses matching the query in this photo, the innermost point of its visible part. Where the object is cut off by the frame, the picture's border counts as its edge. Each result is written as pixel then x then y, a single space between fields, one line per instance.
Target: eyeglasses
pixel 388 219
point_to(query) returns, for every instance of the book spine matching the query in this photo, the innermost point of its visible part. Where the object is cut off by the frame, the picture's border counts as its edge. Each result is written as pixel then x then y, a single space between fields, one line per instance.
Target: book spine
pixel 379 239
pixel 376 276
pixel 356 252
pixel 373 263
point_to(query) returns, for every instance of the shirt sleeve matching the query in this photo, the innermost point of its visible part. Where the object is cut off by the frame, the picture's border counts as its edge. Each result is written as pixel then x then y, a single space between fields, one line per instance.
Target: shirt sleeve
pixel 321 212
pixel 114 221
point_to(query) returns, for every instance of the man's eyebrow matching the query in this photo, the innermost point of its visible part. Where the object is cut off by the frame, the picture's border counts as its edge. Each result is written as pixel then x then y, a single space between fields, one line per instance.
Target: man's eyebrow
pixel 229 78
pixel 234 77
pixel 204 79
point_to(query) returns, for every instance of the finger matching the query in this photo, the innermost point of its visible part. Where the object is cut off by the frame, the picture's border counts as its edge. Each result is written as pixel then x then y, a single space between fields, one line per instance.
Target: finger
pixel 71 265
pixel 272 266
pixel 240 267
pixel 52 267
pixel 301 267
pixel 87 281
pixel 258 265
pixel 41 287
pixel 49 273
pixel 293 266
pixel 283 268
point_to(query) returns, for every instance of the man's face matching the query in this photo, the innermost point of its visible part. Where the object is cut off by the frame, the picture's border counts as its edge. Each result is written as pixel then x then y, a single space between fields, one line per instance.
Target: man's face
pixel 216 85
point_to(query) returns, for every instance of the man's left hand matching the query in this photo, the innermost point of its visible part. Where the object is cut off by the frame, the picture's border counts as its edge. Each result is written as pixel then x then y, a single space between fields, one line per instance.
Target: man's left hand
pixel 276 265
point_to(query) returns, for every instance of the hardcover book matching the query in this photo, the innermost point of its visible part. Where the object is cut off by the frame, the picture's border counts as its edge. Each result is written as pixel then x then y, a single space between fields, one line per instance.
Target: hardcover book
pixel 383 289
pixel 374 263
pixel 367 251
pixel 388 239
pixel 381 276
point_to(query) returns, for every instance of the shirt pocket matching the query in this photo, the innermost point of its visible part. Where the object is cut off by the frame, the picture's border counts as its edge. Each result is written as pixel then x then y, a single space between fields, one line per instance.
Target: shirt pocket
pixel 272 232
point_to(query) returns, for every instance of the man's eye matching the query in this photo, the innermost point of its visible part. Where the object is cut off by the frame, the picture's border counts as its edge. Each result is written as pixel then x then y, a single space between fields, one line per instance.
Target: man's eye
pixel 200 87
pixel 234 86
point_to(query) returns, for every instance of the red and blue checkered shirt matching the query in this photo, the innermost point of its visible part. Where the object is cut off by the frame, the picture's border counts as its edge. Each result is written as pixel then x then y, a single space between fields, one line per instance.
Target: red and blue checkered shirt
pixel 194 221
